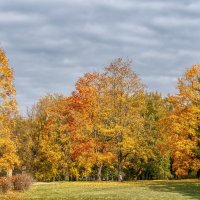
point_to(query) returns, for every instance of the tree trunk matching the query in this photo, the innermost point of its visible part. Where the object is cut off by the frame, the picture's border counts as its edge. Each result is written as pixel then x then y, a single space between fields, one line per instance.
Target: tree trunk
pixel 9 172
pixel 198 173
pixel 99 172
pixel 138 174
pixel 120 177
pixel 66 175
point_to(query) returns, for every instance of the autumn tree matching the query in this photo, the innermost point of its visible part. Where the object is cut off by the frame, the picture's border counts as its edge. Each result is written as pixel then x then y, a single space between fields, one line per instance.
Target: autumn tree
pixel 108 127
pixel 90 96
pixel 25 144
pixel 61 134
pixel 183 123
pixel 45 154
pixel 8 157
pixel 62 144
pixel 124 100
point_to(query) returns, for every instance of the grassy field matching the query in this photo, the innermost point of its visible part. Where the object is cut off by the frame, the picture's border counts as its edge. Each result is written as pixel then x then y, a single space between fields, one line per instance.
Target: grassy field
pixel 140 190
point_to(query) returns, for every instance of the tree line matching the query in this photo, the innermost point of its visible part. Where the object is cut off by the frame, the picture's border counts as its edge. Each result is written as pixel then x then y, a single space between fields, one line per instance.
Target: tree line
pixel 109 128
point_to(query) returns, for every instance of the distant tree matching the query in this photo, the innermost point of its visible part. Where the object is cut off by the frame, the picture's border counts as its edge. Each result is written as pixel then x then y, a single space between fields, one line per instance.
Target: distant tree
pixel 22 132
pixel 158 164
pixel 45 154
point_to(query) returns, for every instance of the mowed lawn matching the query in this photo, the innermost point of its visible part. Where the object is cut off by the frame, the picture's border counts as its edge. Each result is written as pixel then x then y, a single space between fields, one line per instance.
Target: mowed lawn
pixel 155 190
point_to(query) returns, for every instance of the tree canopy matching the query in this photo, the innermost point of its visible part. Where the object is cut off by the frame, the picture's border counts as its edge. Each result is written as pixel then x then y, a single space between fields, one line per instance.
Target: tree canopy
pixel 109 128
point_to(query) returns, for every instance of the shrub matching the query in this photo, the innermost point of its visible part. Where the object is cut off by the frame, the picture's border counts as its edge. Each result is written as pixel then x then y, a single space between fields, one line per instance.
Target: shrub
pixel 22 182
pixel 6 184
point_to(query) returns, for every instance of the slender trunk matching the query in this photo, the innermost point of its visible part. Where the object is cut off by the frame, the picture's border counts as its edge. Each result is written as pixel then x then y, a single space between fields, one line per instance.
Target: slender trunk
pixel 138 174
pixel 99 172
pixel 198 173
pixel 120 177
pixel 9 172
pixel 66 175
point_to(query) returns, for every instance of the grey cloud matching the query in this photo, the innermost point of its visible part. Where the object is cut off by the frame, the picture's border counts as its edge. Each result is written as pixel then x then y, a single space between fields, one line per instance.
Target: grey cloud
pixel 52 43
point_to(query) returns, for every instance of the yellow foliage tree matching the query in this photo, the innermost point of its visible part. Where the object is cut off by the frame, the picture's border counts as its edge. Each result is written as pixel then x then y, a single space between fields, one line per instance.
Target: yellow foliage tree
pixel 123 104
pixel 183 121
pixel 8 157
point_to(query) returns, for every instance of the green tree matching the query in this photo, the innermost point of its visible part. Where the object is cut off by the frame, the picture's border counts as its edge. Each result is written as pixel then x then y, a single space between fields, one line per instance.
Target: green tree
pixel 158 165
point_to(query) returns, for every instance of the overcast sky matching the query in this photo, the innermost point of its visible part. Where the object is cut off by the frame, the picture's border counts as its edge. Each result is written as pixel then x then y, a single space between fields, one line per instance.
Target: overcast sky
pixel 50 43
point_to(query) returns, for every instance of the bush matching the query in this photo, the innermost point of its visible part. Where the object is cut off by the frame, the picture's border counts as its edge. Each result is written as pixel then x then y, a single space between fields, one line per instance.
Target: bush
pixel 22 182
pixel 6 184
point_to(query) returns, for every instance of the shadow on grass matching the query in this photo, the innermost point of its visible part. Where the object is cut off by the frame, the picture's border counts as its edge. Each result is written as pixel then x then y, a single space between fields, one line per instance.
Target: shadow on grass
pixel 190 189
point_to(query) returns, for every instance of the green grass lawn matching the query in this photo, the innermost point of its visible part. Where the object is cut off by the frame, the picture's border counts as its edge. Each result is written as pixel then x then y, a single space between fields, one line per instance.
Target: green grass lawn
pixel 140 190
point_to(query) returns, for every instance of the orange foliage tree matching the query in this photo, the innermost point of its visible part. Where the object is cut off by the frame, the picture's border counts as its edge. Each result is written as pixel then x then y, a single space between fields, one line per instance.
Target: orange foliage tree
pixel 183 123
pixel 100 122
